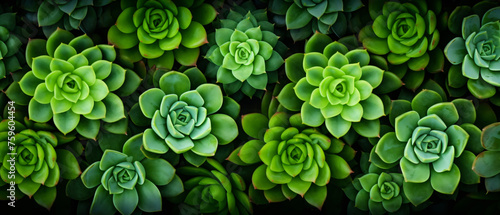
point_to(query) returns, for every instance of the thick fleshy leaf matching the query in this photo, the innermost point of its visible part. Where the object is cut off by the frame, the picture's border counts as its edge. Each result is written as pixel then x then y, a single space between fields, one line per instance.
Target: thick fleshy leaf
pixel 194 36
pixel 418 193
pixel 150 101
pixel 153 143
pixel 259 179
pixel 149 197
pixel 337 126
pixel 127 201
pixel 445 182
pixel 405 124
pixel 389 148
pixel 254 124
pixel 66 121
pixel 297 17
pixel 415 173
pixel 212 95
pixel 224 128
pixel 316 196
pixel 159 171
pixel 482 164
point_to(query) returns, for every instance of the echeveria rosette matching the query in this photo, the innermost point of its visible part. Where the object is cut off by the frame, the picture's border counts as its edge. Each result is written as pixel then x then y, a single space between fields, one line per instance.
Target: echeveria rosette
pixel 74 82
pixel 245 52
pixel 305 17
pixel 294 160
pixel 211 189
pixel 405 32
pixel 379 193
pixel 67 14
pixel 161 31
pixel 40 163
pixel 486 163
pixel 477 53
pixel 9 45
pixel 127 181
pixel 429 143
pixel 189 122
pixel 333 86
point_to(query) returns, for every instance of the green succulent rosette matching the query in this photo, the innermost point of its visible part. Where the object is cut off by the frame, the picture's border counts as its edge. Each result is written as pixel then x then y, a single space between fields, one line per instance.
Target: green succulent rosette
pixel 379 193
pixel 187 121
pixel 405 32
pixel 333 86
pixel 41 157
pixel 67 14
pixel 475 55
pixel 212 189
pixel 161 31
pixel 245 52
pixel 128 182
pixel 305 17
pixel 429 144
pixel 9 46
pixel 486 162
pixel 294 160
pixel 75 83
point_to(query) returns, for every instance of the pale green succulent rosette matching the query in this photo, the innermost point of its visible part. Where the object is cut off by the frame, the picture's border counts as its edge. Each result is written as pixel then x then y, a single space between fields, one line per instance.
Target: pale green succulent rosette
pixel 161 31
pixel 305 17
pixel 333 86
pixel 429 143
pixel 245 51
pixel 40 163
pixel 189 122
pixel 75 83
pixel 128 182
pixel 477 54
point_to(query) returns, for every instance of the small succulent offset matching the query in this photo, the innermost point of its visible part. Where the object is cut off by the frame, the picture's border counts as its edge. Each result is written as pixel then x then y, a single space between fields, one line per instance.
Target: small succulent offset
pixel 379 193
pixel 486 164
pixel 66 14
pixel 294 159
pixel 40 162
pixel 332 85
pixel 404 31
pixel 74 82
pixel 478 53
pixel 429 143
pixel 244 51
pixel 9 45
pixel 161 30
pixel 127 181
pixel 213 190
pixel 305 17
pixel 189 122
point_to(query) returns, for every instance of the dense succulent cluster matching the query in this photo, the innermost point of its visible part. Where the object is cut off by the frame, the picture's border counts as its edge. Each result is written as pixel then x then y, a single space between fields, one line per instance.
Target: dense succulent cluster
pixel 127 180
pixel 486 163
pixel 161 31
pixel 38 160
pixel 184 120
pixel 213 190
pixel 244 52
pixel 295 160
pixel 477 53
pixel 9 45
pixel 305 17
pixel 334 86
pixel 72 81
pixel 428 143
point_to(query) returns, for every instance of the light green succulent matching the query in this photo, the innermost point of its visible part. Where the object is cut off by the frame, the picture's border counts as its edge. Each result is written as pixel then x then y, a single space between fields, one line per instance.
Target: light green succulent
pixel 429 144
pixel 75 83
pixel 486 163
pixel 9 45
pixel 332 85
pixel 244 52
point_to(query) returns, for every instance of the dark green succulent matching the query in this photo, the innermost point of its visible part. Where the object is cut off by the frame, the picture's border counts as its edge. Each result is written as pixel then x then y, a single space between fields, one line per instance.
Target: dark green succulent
pixel 486 163
pixel 429 144
pixel 9 45
pixel 305 17
pixel 212 189
pixel 40 161
pixel 75 83
pixel 161 31
pixel 244 52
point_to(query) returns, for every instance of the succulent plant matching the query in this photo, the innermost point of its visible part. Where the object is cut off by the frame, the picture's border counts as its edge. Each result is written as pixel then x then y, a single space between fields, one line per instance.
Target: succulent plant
pixel 244 52
pixel 189 122
pixel 429 144
pixel 40 161
pixel 293 159
pixel 332 85
pixel 9 45
pixel 67 14
pixel 406 32
pixel 477 54
pixel 486 163
pixel 74 82
pixel 305 17
pixel 379 193
pixel 127 181
pixel 213 190
pixel 161 30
